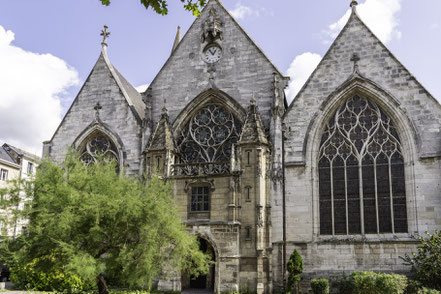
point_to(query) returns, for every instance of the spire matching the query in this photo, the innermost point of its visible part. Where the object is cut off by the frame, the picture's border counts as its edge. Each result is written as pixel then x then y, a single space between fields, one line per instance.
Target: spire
pixel 177 39
pixel 252 131
pixel 162 138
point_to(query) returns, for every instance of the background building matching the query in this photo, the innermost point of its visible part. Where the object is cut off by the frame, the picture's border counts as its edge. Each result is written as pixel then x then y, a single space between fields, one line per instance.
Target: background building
pixel 15 165
pixel 348 174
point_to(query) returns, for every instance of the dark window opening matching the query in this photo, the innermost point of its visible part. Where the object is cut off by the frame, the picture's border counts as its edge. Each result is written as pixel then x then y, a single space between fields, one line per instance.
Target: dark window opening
pixel 200 199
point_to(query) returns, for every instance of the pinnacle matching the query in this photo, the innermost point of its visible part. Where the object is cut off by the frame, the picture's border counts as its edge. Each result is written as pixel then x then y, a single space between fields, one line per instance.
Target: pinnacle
pixel 354 3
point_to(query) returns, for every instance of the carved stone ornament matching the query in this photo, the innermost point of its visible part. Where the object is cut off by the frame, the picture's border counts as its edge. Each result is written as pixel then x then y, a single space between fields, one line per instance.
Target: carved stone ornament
pixel 277 175
pixel 189 183
pixel 259 216
pixel 212 27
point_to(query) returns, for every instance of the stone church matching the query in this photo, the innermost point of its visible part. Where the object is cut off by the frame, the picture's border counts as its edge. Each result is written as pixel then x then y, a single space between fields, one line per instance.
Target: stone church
pixel 348 173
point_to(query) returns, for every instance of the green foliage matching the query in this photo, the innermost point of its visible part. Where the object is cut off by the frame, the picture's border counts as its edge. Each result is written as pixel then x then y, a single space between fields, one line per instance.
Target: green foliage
pixel 29 278
pixel 426 263
pixel 320 286
pixel 378 283
pixel 295 268
pixel 87 220
pixel 345 286
pixel 415 287
pixel 160 6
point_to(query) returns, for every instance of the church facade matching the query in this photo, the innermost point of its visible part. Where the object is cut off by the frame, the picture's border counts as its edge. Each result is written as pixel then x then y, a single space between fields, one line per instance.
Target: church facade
pixel 348 173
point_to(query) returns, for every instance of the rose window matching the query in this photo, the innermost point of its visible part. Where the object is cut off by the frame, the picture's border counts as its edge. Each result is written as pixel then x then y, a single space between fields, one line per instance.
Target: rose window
pixel 209 135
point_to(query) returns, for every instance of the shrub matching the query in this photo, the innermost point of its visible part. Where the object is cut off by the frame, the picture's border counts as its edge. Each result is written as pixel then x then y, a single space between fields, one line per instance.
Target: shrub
pixel 28 278
pixel 378 283
pixel 415 287
pixel 295 268
pixel 426 263
pixel 320 286
pixel 345 286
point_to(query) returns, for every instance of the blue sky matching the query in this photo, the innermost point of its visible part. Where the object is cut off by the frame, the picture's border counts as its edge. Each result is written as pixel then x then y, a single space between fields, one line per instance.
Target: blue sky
pixel 48 47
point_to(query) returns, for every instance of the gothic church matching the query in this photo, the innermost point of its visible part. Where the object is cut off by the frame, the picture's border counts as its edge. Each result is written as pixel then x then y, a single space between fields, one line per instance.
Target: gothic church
pixel 347 174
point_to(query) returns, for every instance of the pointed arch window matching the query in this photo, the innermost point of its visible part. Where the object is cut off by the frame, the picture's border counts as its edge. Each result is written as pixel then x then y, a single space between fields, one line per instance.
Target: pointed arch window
pixel 98 145
pixel 209 135
pixel 361 172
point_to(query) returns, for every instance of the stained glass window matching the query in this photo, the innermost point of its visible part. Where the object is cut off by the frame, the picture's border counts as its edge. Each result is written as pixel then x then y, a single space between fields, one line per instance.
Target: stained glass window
pixel 361 169
pixel 98 146
pixel 209 135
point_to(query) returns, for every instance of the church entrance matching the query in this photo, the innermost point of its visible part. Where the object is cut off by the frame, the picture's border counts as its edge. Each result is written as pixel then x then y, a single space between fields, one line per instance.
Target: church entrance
pixel 202 281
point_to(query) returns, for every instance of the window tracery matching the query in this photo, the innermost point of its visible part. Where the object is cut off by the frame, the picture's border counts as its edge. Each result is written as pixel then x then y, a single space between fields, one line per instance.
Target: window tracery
pixel 209 136
pixel 98 146
pixel 361 172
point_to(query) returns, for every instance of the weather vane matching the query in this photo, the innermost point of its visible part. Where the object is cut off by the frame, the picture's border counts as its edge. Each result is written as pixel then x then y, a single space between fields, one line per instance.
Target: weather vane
pixel 105 34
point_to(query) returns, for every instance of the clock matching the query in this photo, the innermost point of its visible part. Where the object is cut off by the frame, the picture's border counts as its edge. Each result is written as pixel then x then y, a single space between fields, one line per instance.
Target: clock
pixel 212 54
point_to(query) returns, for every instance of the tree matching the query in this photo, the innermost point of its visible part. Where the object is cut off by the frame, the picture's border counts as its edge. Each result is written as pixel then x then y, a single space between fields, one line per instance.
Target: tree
pixel 426 263
pixel 90 222
pixel 295 269
pixel 160 6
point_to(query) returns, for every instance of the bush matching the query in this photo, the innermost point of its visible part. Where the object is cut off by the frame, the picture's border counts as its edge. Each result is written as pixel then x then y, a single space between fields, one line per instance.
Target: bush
pixel 28 278
pixel 426 263
pixel 320 286
pixel 415 287
pixel 295 268
pixel 378 283
pixel 345 286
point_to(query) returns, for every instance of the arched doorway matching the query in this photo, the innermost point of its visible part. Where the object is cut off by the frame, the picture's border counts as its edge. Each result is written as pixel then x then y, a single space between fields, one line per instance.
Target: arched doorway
pixel 203 281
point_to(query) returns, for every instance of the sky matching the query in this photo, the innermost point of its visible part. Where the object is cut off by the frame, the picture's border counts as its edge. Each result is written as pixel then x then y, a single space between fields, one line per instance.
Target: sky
pixel 49 47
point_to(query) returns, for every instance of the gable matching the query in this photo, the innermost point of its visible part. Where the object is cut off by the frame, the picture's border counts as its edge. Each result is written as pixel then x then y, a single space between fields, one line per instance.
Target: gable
pixel 378 66
pixel 243 70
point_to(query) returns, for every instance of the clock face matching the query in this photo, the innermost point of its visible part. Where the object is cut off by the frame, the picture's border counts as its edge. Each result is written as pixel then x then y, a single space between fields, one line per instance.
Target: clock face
pixel 212 54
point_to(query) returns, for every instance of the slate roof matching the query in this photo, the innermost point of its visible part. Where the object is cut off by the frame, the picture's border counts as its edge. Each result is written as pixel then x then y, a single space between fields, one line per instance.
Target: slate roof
pixel 21 152
pixel 132 96
pixel 4 156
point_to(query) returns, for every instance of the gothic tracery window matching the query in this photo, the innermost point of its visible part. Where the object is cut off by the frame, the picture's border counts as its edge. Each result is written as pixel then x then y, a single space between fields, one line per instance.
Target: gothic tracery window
pixel 361 172
pixel 97 146
pixel 209 135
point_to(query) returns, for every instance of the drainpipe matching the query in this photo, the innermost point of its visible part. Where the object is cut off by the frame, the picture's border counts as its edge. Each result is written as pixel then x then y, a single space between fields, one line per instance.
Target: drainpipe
pixel 283 208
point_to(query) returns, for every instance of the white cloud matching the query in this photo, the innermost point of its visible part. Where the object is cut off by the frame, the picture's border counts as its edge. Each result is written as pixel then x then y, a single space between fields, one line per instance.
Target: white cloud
pixel 32 86
pixel 241 11
pixel 142 88
pixel 379 15
pixel 299 71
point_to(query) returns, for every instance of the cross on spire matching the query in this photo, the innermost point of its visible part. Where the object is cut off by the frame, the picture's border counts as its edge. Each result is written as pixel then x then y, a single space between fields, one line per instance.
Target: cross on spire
pixel 105 35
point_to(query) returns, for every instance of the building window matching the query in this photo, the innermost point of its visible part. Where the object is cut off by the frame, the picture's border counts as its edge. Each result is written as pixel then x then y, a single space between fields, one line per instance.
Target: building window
pixel 248 156
pixel 98 146
pixel 3 174
pixel 200 199
pixel 30 168
pixel 248 233
pixel 209 135
pixel 361 173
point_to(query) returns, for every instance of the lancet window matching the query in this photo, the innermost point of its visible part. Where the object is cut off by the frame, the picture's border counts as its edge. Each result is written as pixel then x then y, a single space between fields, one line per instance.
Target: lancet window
pixel 361 172
pixel 98 146
pixel 209 135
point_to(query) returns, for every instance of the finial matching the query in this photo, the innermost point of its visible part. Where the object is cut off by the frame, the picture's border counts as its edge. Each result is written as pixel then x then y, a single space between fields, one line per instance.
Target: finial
pixel 353 3
pixel 105 34
pixel 97 108
pixel 253 100
pixel 164 108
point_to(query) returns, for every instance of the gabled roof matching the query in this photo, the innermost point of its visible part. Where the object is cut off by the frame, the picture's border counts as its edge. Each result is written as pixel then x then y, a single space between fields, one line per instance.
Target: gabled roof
pixel 132 96
pixel 205 11
pixel 252 130
pixel 21 153
pixel 353 19
pixel 162 138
